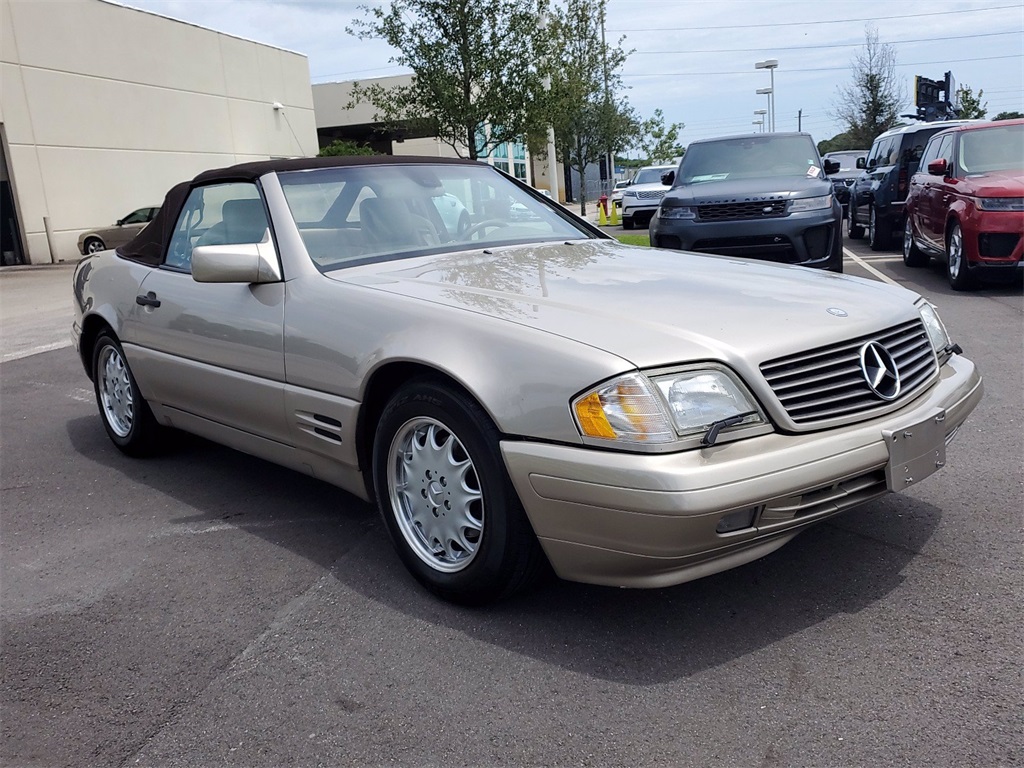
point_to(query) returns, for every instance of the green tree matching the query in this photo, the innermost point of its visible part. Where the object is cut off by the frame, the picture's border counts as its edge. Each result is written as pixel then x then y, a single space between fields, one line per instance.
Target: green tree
pixel 658 143
pixel 971 106
pixel 838 143
pixel 1009 116
pixel 870 103
pixel 589 119
pixel 475 79
pixel 342 148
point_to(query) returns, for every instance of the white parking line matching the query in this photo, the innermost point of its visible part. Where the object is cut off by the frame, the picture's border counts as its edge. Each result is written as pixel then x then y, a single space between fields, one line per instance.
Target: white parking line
pixel 34 350
pixel 869 268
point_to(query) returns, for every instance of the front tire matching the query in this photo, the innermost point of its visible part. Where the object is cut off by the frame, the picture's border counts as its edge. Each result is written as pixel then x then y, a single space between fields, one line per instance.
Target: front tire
pixel 956 263
pixel 125 413
pixel 912 255
pixel 446 498
pixel 878 235
pixel 854 230
pixel 627 223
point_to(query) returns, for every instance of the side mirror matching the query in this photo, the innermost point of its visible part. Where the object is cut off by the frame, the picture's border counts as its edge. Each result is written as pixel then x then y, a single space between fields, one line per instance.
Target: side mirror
pixel 831 166
pixel 861 164
pixel 120 222
pixel 245 263
pixel 937 167
pixel 668 178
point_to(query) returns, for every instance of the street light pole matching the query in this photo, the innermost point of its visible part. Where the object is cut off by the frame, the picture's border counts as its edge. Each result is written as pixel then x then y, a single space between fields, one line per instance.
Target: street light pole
pixel 760 115
pixel 766 92
pixel 770 65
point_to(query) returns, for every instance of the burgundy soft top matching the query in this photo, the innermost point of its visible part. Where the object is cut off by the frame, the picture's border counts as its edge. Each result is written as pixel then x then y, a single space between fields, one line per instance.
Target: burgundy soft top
pixel 151 243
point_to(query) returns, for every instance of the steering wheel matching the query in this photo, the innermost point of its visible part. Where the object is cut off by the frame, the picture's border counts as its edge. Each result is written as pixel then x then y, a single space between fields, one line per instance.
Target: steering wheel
pixel 482 225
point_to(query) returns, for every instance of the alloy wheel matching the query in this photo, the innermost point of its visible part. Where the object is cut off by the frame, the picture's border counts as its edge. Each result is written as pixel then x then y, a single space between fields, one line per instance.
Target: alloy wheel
pixel 436 495
pixel 115 389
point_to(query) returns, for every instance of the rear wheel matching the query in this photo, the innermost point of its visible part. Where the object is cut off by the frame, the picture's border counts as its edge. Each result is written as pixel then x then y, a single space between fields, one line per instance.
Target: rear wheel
pixel 446 498
pixel 126 415
pixel 956 262
pixel 912 255
pixel 854 230
pixel 878 234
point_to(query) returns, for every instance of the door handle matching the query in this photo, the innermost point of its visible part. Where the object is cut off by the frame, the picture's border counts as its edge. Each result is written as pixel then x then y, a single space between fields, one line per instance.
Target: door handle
pixel 149 300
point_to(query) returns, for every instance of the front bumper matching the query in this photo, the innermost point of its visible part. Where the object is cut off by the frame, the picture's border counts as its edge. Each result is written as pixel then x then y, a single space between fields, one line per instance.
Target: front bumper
pixel 630 520
pixel 640 211
pixel 993 241
pixel 811 238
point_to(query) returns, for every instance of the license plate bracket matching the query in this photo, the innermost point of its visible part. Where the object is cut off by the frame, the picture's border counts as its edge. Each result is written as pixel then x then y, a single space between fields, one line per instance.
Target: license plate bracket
pixel 915 451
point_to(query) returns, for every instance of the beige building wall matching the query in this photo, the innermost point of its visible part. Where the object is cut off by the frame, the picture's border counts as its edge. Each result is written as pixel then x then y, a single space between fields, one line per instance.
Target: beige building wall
pixel 103 108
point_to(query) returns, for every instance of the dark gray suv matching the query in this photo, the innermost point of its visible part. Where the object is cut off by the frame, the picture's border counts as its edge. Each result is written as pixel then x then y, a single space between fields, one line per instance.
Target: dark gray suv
pixel 761 196
pixel 879 193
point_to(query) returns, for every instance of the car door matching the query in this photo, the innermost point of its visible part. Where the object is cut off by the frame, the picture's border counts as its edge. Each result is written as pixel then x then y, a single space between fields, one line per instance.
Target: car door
pixel 935 193
pixel 861 195
pixel 213 350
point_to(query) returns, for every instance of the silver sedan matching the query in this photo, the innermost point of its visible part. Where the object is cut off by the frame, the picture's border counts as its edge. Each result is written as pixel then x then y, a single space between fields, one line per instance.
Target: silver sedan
pixel 518 392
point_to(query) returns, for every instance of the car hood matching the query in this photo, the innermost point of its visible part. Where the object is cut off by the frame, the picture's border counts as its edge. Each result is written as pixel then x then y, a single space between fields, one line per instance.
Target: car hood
pixel 750 190
pixel 649 306
pixel 645 187
pixel 997 183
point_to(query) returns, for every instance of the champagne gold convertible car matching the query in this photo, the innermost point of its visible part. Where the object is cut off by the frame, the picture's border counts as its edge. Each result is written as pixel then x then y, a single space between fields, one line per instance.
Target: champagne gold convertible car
pixel 522 392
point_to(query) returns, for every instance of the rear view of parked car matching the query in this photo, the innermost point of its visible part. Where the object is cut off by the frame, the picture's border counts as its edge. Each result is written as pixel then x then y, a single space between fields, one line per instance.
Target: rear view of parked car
pixel 966 203
pixel 117 235
pixel 847 174
pixel 878 194
pixel 763 196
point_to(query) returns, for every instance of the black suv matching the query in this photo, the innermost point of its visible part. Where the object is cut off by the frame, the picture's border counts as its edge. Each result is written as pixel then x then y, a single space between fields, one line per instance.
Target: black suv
pixel 762 196
pixel 878 194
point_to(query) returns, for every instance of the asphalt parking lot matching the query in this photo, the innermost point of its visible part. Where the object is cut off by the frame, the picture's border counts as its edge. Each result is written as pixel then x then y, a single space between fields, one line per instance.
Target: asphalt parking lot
pixel 207 608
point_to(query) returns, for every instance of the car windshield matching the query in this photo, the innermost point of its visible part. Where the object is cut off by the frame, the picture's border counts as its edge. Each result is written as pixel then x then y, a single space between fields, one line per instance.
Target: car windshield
pixel 373 213
pixel 750 157
pixel 847 160
pixel 650 175
pixel 992 149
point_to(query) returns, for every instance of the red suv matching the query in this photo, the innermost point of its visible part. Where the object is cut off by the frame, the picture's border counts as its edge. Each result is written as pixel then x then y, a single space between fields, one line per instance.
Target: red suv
pixel 966 203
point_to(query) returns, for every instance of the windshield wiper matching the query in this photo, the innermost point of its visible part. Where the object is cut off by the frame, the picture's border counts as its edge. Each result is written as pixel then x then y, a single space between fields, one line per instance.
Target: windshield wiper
pixel 711 437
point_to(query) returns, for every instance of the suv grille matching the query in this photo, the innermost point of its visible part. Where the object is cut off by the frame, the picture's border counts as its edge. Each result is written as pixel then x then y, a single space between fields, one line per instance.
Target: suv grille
pixel 827 383
pixel 656 194
pixel 733 211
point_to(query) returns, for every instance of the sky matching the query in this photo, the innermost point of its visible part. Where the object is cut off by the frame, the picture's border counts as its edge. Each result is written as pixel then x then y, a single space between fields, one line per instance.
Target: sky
pixel 694 59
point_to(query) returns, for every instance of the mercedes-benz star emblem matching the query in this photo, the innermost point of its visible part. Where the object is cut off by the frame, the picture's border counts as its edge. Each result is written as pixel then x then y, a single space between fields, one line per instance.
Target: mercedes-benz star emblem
pixel 836 311
pixel 880 371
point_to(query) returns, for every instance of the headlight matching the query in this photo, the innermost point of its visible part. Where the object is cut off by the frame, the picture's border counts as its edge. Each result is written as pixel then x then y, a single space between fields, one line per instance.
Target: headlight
pixel 677 212
pixel 933 325
pixel 697 399
pixel 661 409
pixel 810 204
pixel 1001 203
pixel 627 193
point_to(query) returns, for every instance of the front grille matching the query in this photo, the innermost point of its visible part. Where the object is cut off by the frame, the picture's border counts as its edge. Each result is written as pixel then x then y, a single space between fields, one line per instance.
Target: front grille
pixel 734 211
pixel 827 382
pixel 656 194
pixel 827 500
pixel 777 248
